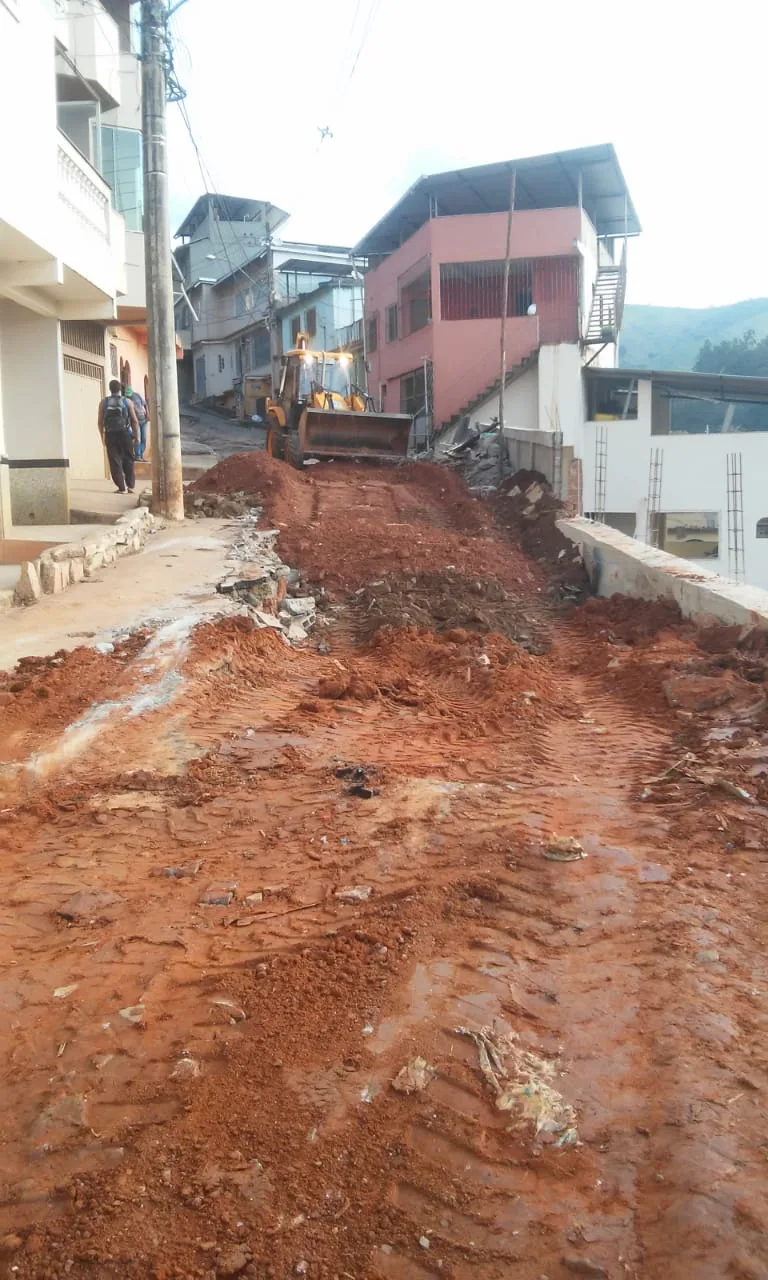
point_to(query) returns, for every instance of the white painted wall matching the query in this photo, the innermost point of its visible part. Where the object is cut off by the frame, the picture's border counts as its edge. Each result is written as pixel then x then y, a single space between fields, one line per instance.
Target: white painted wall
pixel 92 40
pixel 28 113
pixel 693 479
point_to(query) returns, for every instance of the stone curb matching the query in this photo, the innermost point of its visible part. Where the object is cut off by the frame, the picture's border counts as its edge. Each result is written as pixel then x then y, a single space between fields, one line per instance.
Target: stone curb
pixel 71 562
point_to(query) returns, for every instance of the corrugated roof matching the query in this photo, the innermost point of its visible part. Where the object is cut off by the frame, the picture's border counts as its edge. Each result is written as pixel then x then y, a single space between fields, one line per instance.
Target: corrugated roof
pixel 543 182
pixel 234 208
pixel 712 386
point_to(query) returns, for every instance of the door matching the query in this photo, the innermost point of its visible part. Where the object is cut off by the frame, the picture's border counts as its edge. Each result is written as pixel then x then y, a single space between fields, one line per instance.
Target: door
pixel 83 388
pixel 200 377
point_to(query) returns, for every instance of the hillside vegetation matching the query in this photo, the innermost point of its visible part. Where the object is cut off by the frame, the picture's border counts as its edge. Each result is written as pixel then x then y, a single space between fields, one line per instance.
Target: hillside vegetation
pixel 671 337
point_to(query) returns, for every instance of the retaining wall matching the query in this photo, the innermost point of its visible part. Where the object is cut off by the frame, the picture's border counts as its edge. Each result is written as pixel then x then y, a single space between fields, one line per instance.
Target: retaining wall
pixel 618 564
pixel 70 562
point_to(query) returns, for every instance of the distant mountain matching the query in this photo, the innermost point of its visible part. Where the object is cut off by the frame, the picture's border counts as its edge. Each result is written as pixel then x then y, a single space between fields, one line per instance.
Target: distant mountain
pixel 670 337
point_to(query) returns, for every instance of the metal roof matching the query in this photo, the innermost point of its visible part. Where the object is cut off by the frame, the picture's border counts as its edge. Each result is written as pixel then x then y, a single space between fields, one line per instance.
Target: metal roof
pixel 711 386
pixel 543 182
pixel 234 209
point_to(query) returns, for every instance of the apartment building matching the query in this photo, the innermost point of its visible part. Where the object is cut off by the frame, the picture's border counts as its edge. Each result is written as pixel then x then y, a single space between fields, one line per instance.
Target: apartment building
pixel 71 243
pixel 237 274
pixel 331 317
pixel 436 262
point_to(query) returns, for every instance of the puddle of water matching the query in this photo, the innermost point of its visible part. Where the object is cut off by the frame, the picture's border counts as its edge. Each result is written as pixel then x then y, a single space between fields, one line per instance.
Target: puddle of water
pixel 653 873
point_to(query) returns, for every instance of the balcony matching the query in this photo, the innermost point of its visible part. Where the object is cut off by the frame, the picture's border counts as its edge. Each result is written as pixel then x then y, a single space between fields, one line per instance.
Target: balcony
pixel 92 40
pixel 350 334
pixel 90 233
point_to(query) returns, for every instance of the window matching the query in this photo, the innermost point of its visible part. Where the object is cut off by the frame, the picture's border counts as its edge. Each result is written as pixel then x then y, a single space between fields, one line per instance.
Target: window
pixel 612 398
pixel 80 122
pixel 113 359
pixel 762 528
pixel 372 333
pixel 241 304
pixel 221 364
pixel 295 329
pixel 694 535
pixel 121 166
pixel 412 393
pixel 310 322
pixel 260 349
pixel 416 304
pixel 473 291
pixel 392 323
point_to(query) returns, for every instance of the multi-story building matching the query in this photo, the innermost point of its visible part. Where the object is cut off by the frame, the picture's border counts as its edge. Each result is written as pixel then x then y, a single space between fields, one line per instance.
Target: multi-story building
pixel 433 291
pixel 331 317
pixel 71 243
pixel 237 274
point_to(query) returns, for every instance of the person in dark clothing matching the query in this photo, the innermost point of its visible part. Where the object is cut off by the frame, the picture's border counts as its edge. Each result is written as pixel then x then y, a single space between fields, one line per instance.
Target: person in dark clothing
pixel 119 430
pixel 142 417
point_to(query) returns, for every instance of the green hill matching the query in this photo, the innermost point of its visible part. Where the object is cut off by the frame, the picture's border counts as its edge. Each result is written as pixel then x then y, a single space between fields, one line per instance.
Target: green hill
pixel 670 337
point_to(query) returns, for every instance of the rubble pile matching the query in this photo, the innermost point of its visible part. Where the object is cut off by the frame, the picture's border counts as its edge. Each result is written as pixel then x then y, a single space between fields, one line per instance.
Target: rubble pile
pixel 526 506
pixel 269 591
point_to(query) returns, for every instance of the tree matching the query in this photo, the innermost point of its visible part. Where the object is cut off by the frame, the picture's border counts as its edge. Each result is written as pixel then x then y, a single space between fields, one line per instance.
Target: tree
pixel 744 355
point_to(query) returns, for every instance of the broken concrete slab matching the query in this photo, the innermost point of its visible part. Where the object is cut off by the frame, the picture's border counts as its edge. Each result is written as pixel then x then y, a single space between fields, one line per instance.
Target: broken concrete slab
pixel 28 588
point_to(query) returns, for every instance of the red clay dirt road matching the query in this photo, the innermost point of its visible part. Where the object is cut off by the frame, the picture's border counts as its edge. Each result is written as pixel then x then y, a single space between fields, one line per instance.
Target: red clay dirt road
pixel 201 1023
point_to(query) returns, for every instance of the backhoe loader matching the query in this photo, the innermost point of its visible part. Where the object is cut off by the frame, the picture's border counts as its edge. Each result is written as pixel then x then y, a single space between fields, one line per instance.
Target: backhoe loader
pixel 319 413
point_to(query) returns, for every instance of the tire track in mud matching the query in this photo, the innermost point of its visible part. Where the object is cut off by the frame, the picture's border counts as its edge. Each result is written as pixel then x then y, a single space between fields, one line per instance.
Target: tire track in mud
pixel 591 964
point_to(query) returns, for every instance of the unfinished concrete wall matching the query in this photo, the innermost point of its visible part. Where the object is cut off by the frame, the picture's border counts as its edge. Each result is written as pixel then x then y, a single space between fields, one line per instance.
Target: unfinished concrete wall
pixel 617 564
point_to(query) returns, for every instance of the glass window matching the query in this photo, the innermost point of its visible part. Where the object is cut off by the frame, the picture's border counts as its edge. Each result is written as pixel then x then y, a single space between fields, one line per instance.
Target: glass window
pixel 121 166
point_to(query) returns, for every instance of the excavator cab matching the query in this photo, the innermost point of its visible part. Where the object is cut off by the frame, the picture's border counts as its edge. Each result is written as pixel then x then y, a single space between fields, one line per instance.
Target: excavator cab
pixel 319 412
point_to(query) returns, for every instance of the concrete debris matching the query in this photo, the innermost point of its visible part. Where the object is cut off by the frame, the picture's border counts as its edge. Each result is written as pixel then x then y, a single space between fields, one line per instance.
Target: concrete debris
pixel 218 895
pixel 414 1076
pixel 564 849
pixel 259 581
pixel 353 893
pixel 133 1013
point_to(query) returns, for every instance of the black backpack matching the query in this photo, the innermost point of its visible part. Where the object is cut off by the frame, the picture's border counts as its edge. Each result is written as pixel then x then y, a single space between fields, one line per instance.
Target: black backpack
pixel 115 414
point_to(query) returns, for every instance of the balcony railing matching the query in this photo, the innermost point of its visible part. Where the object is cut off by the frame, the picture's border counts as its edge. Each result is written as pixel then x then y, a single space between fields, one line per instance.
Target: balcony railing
pixel 349 334
pixel 81 189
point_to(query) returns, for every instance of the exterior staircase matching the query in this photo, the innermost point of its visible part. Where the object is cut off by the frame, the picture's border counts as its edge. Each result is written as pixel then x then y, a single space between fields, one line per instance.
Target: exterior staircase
pixel 491 390
pixel 608 303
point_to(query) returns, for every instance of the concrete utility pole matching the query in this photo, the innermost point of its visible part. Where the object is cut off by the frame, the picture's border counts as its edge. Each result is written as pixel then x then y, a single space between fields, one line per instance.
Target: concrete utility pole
pixel 504 305
pixel 167 486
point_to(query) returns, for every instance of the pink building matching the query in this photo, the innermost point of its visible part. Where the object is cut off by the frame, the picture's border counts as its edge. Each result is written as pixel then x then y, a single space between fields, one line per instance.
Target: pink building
pixel 433 291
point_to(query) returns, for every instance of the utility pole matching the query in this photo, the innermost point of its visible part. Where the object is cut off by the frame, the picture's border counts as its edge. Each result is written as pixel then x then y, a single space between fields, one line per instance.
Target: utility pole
pixel 167 484
pixel 505 304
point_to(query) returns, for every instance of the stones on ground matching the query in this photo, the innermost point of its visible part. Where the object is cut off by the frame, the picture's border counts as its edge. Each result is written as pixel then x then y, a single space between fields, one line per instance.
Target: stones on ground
pixel 61 993
pixel 697 693
pixel 28 588
pixel 133 1013
pixel 253 899
pixel 424 1242
pixel 232 1262
pixel 54 576
pixel 87 905
pixel 414 1076
pixel 564 849
pixel 218 895
pixel 353 893
pixel 707 957
pixel 583 1266
pixel 232 1011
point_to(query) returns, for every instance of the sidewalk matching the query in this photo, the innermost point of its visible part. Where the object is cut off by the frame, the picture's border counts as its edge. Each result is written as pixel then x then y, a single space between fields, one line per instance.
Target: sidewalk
pixel 175 574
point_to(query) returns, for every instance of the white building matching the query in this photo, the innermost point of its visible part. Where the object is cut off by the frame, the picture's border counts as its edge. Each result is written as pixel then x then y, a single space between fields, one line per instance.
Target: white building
pixel 71 244
pixel 677 459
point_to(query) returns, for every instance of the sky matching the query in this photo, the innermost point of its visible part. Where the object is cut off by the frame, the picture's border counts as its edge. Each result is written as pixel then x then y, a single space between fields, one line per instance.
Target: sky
pixel 410 87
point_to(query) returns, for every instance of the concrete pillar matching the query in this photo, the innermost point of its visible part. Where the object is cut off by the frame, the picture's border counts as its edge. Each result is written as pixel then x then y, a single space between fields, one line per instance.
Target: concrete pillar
pixel 33 416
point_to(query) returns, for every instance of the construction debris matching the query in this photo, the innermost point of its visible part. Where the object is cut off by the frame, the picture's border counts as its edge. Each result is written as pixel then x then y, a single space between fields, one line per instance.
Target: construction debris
pixel 521 1081
pixel 564 849
pixel 414 1076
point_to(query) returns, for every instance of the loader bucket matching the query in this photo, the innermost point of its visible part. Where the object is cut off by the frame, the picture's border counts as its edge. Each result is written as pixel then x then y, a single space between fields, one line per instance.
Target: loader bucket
pixel 327 433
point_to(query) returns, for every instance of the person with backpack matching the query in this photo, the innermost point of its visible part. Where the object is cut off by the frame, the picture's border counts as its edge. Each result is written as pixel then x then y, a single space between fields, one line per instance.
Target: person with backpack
pixel 119 430
pixel 142 417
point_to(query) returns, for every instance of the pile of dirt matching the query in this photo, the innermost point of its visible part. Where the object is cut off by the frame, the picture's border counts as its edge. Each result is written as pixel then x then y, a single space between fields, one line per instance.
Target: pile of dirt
pixel 445 601
pixel 41 694
pixel 526 507
pixel 632 621
pixel 252 472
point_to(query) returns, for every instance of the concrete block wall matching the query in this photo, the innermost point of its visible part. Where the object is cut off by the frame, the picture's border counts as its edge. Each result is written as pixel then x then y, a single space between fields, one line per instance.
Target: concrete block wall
pixel 617 565
pixel 70 562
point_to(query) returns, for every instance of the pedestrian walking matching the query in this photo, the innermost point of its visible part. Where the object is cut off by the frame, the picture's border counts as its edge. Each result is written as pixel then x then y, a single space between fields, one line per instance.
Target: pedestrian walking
pixel 119 430
pixel 142 415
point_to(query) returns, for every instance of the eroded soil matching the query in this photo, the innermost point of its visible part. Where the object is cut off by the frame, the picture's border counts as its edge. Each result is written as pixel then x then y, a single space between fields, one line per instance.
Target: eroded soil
pixel 220 944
